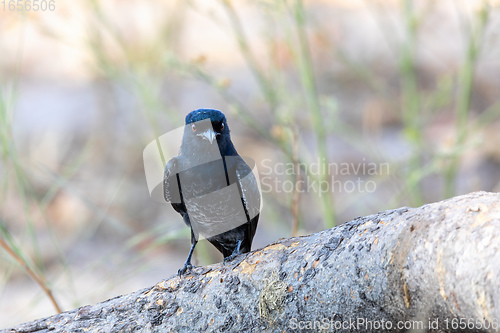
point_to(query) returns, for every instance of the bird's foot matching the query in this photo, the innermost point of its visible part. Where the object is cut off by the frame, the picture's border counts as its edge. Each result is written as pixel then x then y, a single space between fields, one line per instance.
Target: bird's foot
pixel 236 251
pixel 230 258
pixel 187 267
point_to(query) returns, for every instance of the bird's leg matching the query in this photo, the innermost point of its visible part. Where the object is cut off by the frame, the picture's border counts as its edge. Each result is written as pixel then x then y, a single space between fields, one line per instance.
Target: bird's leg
pixel 187 264
pixel 236 251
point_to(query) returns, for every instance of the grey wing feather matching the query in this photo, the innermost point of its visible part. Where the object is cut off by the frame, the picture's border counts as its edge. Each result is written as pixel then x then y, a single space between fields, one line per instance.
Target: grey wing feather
pixel 171 191
pixel 249 189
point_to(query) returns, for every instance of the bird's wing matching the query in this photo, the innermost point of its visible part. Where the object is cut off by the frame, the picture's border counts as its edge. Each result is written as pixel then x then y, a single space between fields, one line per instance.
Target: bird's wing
pixel 249 188
pixel 250 195
pixel 171 191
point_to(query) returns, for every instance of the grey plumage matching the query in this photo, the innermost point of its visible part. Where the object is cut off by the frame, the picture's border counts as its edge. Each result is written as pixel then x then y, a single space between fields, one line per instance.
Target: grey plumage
pixel 212 187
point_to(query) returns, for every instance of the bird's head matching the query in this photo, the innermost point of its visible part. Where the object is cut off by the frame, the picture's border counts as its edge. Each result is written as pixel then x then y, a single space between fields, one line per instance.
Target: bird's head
pixel 207 125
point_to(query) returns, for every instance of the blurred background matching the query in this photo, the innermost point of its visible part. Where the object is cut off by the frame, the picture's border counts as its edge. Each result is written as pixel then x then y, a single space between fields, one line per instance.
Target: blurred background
pixel 396 103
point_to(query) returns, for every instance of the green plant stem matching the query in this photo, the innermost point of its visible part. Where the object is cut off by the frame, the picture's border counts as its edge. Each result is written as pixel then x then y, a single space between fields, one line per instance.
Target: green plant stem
pixel 411 101
pixel 306 72
pixel 298 180
pixel 264 84
pixel 464 98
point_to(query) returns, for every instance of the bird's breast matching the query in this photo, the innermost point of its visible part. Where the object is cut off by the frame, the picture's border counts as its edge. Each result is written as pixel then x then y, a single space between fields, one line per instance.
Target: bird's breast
pixel 217 212
pixel 203 179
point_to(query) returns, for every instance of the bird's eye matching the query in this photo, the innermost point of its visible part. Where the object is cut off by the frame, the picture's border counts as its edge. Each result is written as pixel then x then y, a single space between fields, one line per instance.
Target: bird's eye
pixel 222 126
pixel 193 127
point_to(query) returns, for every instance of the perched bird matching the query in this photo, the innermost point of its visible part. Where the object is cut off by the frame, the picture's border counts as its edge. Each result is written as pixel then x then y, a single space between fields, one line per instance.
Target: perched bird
pixel 212 187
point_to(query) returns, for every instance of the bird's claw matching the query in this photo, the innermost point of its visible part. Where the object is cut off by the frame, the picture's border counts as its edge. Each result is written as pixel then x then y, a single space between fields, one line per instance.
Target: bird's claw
pixel 229 258
pixel 186 268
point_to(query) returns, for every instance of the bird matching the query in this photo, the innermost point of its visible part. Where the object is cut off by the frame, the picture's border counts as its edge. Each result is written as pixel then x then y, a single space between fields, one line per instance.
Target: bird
pixel 212 187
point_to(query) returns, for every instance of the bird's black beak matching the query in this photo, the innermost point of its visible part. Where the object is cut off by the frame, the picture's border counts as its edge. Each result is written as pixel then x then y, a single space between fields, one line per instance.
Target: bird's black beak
pixel 209 134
